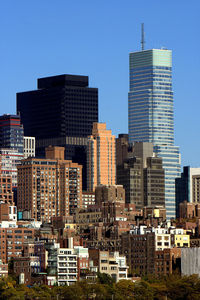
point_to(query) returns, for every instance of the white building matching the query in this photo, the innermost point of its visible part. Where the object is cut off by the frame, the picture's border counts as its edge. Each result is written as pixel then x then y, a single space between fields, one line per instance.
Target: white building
pixel 122 267
pixel 29 146
pixel 66 266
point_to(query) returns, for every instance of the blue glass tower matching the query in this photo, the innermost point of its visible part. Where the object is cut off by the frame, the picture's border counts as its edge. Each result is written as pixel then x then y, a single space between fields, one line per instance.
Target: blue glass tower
pixel 151 112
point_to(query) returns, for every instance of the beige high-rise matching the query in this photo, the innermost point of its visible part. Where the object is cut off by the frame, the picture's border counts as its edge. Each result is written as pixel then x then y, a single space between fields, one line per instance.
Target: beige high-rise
pixel 101 165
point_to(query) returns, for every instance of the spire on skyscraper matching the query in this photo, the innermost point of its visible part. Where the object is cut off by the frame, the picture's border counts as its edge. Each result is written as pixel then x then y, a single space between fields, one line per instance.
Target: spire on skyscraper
pixel 142 37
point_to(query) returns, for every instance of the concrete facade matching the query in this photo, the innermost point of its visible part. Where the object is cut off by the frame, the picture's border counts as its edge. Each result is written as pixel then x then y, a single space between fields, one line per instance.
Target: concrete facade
pixel 190 261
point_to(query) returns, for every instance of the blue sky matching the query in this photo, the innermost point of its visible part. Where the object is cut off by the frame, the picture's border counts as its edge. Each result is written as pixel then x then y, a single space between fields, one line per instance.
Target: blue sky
pixel 47 37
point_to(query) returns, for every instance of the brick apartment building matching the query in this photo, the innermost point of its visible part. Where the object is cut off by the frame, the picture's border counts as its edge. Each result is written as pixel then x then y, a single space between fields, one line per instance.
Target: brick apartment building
pixel 6 193
pixel 139 251
pixel 49 187
pixel 12 240
pixel 167 261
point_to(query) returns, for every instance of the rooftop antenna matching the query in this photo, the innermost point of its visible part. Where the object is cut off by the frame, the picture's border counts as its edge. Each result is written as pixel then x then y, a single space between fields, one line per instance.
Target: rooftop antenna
pixel 142 37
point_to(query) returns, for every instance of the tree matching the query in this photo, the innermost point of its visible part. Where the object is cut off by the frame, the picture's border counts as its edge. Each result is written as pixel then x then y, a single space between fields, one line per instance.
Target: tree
pixel 124 289
pixel 143 291
pixel 104 278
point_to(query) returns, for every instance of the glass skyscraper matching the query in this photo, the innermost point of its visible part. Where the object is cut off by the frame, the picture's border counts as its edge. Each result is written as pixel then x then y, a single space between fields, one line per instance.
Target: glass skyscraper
pixel 151 112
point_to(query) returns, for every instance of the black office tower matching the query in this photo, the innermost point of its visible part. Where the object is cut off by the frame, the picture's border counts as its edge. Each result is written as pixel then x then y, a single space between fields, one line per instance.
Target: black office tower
pixel 60 112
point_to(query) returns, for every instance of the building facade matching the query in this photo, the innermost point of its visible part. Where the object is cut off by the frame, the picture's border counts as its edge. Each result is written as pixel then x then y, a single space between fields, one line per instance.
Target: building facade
pixel 110 263
pixel 6 193
pixel 190 263
pixel 167 261
pixel 29 146
pixel 154 183
pixel 66 266
pixel 10 159
pixel 12 240
pixel 139 250
pixel 88 198
pixel 101 165
pixel 151 113
pixel 49 187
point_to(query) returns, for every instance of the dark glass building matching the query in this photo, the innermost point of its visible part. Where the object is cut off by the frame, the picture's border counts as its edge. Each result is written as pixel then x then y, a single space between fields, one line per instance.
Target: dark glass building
pixel 61 112
pixel 11 133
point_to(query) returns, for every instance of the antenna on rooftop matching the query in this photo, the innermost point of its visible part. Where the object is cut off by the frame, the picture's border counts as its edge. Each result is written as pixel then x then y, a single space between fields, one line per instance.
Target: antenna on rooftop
pixel 142 37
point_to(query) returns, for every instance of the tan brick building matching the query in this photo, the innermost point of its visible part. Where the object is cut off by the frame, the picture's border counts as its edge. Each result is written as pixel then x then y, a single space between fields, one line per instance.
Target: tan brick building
pixel 101 165
pixel 49 187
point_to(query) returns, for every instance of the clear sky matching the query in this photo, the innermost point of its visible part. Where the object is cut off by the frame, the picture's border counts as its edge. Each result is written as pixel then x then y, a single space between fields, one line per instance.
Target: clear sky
pixel 91 37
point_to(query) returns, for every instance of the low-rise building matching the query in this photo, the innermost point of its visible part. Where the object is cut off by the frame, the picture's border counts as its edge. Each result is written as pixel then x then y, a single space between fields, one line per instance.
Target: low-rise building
pixel 82 260
pixel 12 240
pixel 66 265
pixel 110 263
pixel 25 267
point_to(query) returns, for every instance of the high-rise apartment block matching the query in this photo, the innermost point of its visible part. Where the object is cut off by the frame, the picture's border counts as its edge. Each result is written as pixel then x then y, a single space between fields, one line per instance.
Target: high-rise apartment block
pixel 11 133
pixel 130 176
pixel 151 113
pixel 154 182
pixel 61 112
pixel 188 187
pixel 10 159
pixel 101 166
pixel 6 193
pixel 11 145
pixel 49 187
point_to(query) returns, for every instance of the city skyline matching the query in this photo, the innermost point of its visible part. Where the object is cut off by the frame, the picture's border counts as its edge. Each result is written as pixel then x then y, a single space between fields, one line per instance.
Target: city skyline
pixel 35 46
